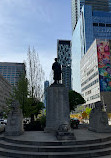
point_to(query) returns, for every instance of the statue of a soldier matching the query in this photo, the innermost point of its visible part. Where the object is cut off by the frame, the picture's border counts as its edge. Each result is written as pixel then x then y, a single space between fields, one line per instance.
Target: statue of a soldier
pixel 56 67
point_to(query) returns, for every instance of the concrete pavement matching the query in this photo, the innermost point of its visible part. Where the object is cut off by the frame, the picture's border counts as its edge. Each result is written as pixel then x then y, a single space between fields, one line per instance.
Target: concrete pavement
pixel 80 134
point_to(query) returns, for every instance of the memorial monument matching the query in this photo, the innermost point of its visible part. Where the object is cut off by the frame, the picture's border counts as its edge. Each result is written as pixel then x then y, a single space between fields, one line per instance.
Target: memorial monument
pixel 98 119
pixel 14 125
pixel 57 109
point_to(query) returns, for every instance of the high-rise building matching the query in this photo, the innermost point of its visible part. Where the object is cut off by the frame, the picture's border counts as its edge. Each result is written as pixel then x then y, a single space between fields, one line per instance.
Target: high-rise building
pixel 93 22
pixel 12 71
pixel 46 85
pixel 75 12
pixel 96 74
pixel 64 58
pixel 100 5
pixel 5 90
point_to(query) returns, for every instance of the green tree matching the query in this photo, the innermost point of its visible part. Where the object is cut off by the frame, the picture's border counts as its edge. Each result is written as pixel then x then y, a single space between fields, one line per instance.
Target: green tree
pixel 20 93
pixel 34 107
pixel 75 99
pixel 35 76
pixel 84 115
pixel 88 110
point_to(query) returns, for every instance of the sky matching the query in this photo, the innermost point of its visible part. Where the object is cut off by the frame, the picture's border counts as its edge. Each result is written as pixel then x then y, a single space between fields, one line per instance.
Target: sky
pixel 34 23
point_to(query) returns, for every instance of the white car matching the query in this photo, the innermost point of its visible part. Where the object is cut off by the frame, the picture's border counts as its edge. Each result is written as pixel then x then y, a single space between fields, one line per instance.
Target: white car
pixel 2 121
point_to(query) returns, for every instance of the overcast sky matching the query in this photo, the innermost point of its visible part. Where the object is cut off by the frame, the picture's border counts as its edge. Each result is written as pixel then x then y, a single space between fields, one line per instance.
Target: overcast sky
pixel 37 23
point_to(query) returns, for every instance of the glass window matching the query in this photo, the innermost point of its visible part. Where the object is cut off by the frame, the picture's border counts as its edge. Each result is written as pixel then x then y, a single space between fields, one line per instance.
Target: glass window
pixel 108 25
pixel 102 24
pixel 95 24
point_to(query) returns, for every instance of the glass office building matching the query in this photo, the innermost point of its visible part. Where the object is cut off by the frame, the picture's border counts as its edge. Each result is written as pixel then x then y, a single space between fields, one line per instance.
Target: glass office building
pixel 94 22
pixel 12 71
pixel 98 5
pixel 5 90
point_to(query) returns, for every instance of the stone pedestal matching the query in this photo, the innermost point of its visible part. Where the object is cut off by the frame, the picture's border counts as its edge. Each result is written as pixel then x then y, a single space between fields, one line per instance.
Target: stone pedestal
pixel 14 125
pixel 57 110
pixel 64 133
pixel 98 120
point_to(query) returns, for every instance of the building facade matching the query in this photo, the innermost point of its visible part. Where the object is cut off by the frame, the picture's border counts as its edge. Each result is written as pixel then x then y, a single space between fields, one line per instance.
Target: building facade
pixel 75 10
pixel 98 5
pixel 12 71
pixel 5 90
pixel 93 22
pixel 96 74
pixel 46 85
pixel 64 58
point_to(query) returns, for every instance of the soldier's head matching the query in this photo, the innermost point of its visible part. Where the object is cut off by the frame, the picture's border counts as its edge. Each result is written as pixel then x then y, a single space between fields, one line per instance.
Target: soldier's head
pixel 56 59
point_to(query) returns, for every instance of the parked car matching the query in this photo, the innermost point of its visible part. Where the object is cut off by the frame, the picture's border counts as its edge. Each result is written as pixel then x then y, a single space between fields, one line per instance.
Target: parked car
pixel 3 121
pixel 26 120
pixel 74 122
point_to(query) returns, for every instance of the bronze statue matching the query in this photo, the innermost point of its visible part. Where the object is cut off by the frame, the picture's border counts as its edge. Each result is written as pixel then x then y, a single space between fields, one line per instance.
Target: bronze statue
pixel 56 67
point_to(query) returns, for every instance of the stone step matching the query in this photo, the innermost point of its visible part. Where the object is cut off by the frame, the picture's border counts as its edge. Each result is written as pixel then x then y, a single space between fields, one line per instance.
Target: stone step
pixel 108 156
pixel 79 154
pixel 56 143
pixel 62 148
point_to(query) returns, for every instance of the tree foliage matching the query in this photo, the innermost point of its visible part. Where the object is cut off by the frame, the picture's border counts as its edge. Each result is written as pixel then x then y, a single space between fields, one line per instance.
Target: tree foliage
pixel 29 89
pixel 88 110
pixel 75 99
pixel 20 93
pixel 33 107
pixel 35 75
pixel 84 115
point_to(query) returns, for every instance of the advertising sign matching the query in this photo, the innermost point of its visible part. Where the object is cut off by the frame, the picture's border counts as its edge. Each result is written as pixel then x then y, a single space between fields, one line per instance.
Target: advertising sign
pixel 104 66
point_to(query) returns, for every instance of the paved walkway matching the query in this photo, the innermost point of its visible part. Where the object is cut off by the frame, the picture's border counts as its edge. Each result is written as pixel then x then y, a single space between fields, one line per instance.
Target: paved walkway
pixel 80 134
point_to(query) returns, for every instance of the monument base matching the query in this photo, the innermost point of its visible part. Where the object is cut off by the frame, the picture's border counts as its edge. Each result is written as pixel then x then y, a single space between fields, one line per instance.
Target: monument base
pixel 57 109
pixel 64 133
pixel 50 130
pixel 14 125
pixel 98 120
pixel 65 136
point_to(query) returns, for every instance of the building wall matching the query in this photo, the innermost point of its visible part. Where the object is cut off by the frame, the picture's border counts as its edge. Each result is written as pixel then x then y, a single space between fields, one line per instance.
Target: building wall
pixel 89 76
pixel 12 71
pixel 66 76
pixel 46 85
pixel 95 78
pixel 76 56
pixel 64 58
pixel 102 25
pixel 94 25
pixel 91 25
pixel 5 89
pixel 103 5
pixel 75 6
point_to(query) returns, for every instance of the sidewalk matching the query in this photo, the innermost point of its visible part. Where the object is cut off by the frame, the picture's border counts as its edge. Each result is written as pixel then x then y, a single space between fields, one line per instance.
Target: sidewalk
pixel 40 136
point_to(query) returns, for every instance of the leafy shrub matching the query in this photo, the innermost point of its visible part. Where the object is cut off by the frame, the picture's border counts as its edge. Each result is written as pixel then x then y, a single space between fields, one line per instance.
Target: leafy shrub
pixel 43 121
pixel 33 126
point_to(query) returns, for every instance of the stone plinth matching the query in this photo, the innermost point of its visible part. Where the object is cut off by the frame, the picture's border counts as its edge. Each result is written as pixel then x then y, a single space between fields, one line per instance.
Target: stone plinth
pixel 57 110
pixel 98 120
pixel 14 121
pixel 64 133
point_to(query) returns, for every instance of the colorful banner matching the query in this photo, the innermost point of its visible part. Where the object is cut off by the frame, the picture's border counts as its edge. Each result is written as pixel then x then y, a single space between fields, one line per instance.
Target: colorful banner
pixel 104 65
